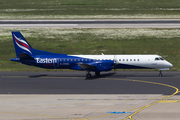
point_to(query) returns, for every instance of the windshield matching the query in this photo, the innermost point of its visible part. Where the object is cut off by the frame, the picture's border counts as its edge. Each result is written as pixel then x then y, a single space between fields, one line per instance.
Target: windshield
pixel 159 58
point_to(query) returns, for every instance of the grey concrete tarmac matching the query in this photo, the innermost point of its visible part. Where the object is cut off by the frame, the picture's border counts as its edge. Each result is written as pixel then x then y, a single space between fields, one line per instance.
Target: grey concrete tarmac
pixel 69 95
pixel 74 82
pixel 93 23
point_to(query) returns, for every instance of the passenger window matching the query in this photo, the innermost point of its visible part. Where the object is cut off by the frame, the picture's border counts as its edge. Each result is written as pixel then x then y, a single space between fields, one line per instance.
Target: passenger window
pixel 137 59
pixel 64 60
pixel 134 59
pixel 123 59
pixel 119 59
pixel 130 59
pixel 71 59
pixel 82 59
pixel 126 59
pixel 74 59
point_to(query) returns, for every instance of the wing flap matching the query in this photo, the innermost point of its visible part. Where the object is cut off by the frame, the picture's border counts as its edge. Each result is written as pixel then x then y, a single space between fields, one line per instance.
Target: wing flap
pixel 103 65
pixel 85 66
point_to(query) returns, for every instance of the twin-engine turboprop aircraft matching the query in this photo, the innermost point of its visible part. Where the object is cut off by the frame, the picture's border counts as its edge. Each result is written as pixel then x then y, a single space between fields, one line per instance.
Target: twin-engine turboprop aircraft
pixel 25 54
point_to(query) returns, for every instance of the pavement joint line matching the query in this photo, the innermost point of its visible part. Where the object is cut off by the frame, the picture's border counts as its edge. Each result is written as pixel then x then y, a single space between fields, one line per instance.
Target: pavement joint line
pixel 111 99
pixel 115 100
pixel 63 104
pixel 36 115
pixel 101 116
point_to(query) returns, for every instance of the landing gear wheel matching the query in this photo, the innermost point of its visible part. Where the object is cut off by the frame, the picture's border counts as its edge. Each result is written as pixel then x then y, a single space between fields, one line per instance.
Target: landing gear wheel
pixel 97 73
pixel 88 75
pixel 160 73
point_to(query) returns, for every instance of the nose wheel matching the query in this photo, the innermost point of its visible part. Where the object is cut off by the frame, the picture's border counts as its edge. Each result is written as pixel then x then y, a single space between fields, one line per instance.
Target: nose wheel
pixel 160 73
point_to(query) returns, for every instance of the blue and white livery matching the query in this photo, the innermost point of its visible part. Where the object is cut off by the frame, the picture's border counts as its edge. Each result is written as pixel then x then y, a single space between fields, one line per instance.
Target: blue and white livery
pixel 25 54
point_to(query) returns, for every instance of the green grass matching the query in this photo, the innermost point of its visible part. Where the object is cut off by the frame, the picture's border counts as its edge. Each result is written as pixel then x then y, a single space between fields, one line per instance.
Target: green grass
pixel 164 42
pixel 20 9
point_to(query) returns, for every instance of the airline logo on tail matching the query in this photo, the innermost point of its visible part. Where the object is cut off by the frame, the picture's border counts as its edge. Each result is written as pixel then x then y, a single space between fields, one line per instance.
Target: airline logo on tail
pixel 22 44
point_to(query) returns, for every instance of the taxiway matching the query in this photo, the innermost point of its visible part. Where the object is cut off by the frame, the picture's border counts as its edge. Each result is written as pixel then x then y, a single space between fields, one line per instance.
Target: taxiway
pixel 68 95
pixel 98 23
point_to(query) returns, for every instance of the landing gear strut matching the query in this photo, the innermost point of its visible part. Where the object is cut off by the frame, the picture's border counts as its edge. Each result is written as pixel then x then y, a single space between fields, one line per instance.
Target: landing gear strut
pixel 88 75
pixel 160 73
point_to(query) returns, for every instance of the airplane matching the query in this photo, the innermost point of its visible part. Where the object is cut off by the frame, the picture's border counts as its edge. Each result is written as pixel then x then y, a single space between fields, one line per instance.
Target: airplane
pixel 25 54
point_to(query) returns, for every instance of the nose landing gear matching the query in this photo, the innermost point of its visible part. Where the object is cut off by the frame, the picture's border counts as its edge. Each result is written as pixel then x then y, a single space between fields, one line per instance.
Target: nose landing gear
pixel 160 73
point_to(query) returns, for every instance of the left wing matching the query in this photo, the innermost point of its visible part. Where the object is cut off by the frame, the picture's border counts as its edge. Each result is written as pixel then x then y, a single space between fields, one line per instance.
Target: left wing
pixel 102 65
pixel 85 66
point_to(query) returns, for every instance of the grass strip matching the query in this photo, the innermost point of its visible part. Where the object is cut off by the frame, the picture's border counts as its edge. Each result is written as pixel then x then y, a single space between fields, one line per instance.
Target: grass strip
pixel 164 42
pixel 82 9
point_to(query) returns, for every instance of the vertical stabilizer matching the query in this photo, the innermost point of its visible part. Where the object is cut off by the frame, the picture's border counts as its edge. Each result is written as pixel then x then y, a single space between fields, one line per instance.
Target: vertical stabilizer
pixel 20 44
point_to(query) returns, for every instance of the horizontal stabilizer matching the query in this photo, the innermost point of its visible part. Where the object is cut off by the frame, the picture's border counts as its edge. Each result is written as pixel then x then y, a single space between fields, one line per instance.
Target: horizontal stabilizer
pixel 24 56
pixel 15 59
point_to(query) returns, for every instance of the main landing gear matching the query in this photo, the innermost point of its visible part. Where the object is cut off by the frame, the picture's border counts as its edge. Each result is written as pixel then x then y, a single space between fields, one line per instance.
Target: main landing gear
pixel 88 74
pixel 97 73
pixel 160 73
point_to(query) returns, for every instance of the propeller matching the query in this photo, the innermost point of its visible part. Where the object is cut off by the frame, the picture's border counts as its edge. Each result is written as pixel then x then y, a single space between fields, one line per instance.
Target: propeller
pixel 115 63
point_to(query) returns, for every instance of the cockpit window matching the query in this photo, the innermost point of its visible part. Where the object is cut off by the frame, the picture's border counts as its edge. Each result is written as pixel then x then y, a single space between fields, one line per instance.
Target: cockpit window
pixel 161 58
pixel 157 59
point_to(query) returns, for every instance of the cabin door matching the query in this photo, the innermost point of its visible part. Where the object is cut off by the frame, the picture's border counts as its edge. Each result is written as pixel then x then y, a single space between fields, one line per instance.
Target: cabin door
pixel 56 64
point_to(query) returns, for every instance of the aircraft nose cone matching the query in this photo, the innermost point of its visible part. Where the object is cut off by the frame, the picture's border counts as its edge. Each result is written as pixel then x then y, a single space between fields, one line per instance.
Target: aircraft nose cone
pixel 169 65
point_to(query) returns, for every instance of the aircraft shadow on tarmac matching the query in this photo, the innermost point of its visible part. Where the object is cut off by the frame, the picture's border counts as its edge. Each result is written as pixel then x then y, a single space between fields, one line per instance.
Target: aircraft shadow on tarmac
pixel 70 76
pixel 103 75
pixel 38 76
pixel 114 75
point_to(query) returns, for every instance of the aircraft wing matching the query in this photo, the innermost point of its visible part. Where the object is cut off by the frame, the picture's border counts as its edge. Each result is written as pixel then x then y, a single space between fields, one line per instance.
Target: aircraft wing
pixel 85 66
pixel 103 65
